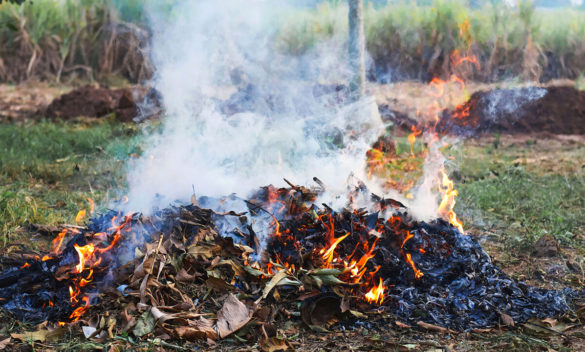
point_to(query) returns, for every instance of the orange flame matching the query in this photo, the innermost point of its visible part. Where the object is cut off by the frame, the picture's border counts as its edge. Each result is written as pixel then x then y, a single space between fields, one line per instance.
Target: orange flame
pixel 376 293
pixel 58 241
pixel 91 205
pixel 85 253
pixel 26 265
pixel 448 201
pixel 78 312
pixel 412 139
pixel 417 273
pixel 327 255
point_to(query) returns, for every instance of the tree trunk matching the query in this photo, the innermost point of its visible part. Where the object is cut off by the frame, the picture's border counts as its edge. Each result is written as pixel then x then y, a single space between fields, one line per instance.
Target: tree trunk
pixel 357 47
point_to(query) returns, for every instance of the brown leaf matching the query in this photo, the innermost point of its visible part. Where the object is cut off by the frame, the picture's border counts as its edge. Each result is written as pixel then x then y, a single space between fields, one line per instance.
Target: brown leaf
pixel 218 284
pixel 275 344
pixel 197 330
pixel 318 310
pixel 232 316
pixel 506 319
pixel 435 328
pixel 40 335
pixel 402 325
pixel 4 343
pixel 184 276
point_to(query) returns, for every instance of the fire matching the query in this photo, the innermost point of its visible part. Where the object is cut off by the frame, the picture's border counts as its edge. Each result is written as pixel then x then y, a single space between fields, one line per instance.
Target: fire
pixel 85 254
pixel 78 312
pixel 91 205
pixel 58 241
pixel 80 216
pixel 412 139
pixel 448 201
pixel 25 265
pixel 327 255
pixel 417 273
pixel 376 293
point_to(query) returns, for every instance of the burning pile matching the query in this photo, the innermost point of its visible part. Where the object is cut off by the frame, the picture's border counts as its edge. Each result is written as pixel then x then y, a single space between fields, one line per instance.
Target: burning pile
pixel 169 272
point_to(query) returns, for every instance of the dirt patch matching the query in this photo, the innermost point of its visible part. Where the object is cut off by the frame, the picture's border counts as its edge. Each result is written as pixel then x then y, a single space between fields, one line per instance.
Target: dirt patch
pixel 90 101
pixel 557 110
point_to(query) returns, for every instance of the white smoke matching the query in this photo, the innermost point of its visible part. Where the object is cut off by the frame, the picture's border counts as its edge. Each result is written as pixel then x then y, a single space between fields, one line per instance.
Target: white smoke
pixel 274 125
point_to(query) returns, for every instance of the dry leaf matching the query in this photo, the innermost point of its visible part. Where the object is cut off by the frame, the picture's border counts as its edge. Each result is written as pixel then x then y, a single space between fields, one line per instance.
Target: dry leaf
pixel 218 284
pixel 197 330
pixel 506 319
pixel 319 309
pixel 40 335
pixel 4 343
pixel 435 328
pixel 402 325
pixel 275 344
pixel 232 316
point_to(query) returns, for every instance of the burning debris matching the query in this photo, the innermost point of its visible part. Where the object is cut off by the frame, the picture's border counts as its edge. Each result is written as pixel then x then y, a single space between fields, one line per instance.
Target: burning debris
pixel 168 273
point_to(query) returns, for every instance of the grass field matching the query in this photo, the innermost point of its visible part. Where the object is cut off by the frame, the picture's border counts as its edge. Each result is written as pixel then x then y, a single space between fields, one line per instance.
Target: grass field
pixel 50 169
pixel 512 191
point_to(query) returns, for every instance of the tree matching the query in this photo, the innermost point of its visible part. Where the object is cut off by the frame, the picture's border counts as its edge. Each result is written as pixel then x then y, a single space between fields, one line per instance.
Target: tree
pixel 357 48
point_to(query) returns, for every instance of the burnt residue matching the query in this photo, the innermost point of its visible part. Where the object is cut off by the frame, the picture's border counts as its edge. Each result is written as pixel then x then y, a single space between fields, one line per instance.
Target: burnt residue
pixel 460 288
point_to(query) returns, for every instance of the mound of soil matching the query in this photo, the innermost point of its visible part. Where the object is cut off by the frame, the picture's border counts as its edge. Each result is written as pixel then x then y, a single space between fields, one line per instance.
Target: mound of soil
pixel 557 110
pixel 90 101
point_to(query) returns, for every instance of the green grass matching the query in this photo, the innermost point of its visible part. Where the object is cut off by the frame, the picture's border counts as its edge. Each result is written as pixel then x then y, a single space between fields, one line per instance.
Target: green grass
pixel 48 170
pixel 521 196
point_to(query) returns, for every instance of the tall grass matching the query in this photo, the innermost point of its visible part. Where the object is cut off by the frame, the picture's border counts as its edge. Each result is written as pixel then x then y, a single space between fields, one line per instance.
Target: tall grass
pixel 409 40
pixel 47 39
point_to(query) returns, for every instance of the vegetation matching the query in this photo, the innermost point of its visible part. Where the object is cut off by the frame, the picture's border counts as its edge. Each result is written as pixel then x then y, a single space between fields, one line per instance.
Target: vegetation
pixel 48 170
pixel 49 39
pixel 409 41
pixel 95 39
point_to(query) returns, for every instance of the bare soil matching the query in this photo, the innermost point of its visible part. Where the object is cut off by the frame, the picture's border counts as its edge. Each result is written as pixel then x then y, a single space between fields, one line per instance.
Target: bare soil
pixel 557 110
pixel 90 101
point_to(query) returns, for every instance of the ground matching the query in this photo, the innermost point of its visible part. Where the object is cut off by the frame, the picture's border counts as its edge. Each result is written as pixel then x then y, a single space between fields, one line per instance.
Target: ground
pixel 512 191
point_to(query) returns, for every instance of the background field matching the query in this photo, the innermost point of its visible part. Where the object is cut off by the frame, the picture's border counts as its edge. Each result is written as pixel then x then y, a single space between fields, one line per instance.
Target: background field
pixel 54 40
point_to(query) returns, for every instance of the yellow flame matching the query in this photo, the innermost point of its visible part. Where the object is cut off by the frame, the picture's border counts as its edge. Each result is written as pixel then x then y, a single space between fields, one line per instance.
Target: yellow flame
pixel 448 201
pixel 80 216
pixel 376 293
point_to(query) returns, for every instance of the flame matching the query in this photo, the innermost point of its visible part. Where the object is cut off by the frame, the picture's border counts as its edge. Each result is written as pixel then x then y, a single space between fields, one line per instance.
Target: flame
pixel 91 205
pixel 85 253
pixel 417 273
pixel 58 241
pixel 327 255
pixel 80 216
pixel 25 265
pixel 448 201
pixel 412 139
pixel 78 312
pixel 376 293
